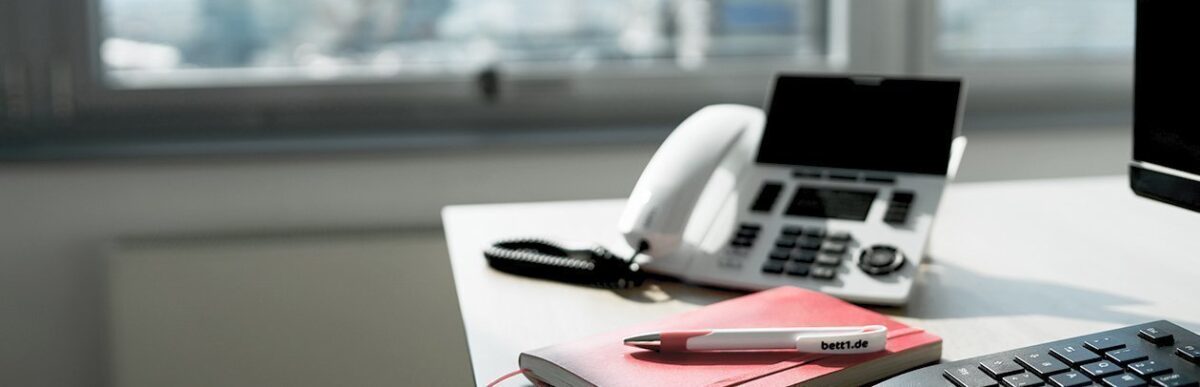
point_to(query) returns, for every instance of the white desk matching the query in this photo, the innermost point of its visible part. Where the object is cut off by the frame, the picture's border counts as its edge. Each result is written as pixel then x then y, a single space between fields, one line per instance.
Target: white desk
pixel 1012 264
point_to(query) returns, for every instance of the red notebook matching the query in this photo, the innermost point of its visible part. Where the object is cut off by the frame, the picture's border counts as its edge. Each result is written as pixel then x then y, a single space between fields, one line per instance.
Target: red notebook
pixel 604 360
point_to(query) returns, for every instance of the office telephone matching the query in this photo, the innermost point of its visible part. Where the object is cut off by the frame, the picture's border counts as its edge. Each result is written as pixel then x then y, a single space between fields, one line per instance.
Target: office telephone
pixel 834 188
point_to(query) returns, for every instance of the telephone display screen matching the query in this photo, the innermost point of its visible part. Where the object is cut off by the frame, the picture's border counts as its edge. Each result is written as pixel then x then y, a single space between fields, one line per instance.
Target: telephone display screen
pixel 897 125
pixel 831 203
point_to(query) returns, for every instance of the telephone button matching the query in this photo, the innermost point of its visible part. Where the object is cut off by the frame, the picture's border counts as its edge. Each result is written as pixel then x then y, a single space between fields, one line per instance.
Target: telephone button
pixel 840 236
pixel 823 272
pixel 829 259
pixel 810 243
pixel 780 254
pixel 767 196
pixel 793 230
pixel 807 256
pixel 830 247
pixel 880 260
pixel 817 232
pixel 797 269
pixel 773 267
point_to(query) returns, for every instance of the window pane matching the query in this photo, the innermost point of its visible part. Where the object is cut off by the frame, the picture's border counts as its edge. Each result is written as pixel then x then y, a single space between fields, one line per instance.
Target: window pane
pixel 287 40
pixel 1035 29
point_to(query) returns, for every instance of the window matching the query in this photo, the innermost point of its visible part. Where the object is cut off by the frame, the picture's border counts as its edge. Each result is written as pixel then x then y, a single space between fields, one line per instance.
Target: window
pixel 154 43
pixel 132 70
pixel 1013 30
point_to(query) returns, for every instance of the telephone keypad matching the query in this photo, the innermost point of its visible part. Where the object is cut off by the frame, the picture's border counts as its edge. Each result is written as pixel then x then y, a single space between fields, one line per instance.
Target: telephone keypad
pixel 807 251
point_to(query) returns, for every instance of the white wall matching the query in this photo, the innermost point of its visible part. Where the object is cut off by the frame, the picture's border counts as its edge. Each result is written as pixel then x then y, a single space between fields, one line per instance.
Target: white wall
pixel 56 217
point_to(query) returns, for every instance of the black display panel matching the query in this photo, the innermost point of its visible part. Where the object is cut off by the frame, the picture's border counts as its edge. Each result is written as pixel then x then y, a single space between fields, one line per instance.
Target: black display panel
pixel 767 196
pixel 831 203
pixel 1165 122
pixel 885 124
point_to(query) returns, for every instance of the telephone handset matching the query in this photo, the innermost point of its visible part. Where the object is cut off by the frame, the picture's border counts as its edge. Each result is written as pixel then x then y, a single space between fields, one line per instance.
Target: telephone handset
pixel 665 195
pixel 834 188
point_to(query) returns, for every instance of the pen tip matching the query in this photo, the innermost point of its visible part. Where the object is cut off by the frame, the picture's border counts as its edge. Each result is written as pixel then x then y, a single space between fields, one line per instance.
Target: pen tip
pixel 650 341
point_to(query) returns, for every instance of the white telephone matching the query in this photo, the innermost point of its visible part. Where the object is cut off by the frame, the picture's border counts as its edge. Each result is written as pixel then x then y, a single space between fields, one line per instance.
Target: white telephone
pixel 861 161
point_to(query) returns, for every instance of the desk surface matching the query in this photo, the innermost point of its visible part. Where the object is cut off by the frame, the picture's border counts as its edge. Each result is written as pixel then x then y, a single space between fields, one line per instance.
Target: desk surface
pixel 1010 264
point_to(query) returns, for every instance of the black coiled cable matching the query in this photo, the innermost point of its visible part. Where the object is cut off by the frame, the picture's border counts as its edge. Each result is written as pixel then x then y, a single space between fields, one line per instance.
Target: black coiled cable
pixel 544 259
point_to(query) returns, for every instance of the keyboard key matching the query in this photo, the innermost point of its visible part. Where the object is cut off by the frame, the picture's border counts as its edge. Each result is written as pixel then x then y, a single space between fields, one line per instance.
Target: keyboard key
pixel 780 254
pixel 1023 379
pixel 1189 352
pixel 747 232
pixel 1074 355
pixel 829 259
pixel 750 226
pixel 806 256
pixel 742 242
pixel 1100 369
pixel 1174 380
pixel 1149 368
pixel 1103 344
pixel 793 230
pixel 1124 380
pixel 823 272
pixel 968 377
pixel 1041 364
pixel 773 266
pixel 1000 367
pixel 1125 356
pixel 814 232
pixel 1070 379
pixel 786 243
pixel 797 269
pixel 1156 336
pixel 840 236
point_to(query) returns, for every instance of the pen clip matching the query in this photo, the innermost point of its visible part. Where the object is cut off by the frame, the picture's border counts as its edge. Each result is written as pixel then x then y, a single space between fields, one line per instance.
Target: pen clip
pixel 842 340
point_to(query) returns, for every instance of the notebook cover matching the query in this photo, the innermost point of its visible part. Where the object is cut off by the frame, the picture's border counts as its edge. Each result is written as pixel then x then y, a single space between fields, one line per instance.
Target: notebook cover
pixel 605 361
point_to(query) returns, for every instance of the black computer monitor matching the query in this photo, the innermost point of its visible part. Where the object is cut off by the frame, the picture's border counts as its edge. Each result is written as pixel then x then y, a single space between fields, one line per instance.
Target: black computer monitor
pixel 1166 118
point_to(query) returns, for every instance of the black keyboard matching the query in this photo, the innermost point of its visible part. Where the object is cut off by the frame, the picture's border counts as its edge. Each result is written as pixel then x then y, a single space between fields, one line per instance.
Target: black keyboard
pixel 1152 354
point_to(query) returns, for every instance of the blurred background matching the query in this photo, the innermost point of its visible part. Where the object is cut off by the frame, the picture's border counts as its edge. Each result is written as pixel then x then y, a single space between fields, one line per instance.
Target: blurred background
pixel 171 169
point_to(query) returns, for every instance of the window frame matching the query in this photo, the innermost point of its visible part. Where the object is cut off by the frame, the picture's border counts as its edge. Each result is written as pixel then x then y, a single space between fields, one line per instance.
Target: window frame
pixel 68 94
pixel 546 99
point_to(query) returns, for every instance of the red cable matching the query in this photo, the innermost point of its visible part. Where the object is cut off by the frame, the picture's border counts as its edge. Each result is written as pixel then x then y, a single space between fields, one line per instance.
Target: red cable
pixel 505 377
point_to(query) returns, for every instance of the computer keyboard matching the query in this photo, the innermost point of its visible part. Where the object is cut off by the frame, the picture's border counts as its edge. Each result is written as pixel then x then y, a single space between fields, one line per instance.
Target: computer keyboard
pixel 1152 354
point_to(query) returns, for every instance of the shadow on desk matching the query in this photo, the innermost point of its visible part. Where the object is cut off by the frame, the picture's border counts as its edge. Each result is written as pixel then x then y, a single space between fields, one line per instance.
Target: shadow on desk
pixel 949 291
pixel 662 289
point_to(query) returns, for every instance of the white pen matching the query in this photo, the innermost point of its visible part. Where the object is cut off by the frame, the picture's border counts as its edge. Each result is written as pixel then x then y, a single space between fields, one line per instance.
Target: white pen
pixel 833 340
